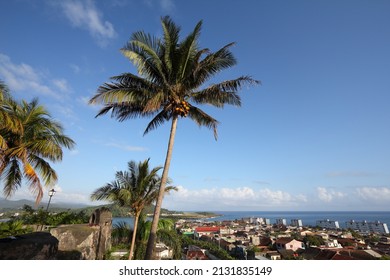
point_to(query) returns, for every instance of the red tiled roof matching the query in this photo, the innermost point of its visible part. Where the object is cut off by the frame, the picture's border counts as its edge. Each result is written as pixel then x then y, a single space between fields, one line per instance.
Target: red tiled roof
pixel 207 229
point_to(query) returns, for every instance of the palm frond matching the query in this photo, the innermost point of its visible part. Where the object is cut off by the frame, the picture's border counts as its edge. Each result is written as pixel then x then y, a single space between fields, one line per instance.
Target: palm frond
pixel 188 50
pixel 110 93
pixel 158 120
pixel 203 119
pixel 223 93
pixel 171 38
pixel 108 192
pixel 47 173
pixel 143 51
pixel 4 91
pixel 13 178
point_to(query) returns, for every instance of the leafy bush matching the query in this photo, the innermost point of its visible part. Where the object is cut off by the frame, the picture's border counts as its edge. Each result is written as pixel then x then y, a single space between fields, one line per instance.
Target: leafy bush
pixel 211 247
pixel 42 217
pixel 12 228
pixel 120 234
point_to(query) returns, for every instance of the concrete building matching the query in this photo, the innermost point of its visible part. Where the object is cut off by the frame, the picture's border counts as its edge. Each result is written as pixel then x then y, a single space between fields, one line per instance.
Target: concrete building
pixel 255 240
pixel 328 224
pixel 209 231
pixel 288 244
pixel 367 227
pixel 296 223
pixel 281 222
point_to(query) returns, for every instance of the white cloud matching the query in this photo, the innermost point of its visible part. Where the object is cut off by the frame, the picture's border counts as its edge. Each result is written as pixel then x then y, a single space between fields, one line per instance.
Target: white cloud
pixel 167 5
pixel 75 68
pixel 61 195
pixel 374 194
pixel 74 152
pixel 242 198
pixel 127 148
pixel 85 15
pixel 328 195
pixel 62 85
pixel 23 77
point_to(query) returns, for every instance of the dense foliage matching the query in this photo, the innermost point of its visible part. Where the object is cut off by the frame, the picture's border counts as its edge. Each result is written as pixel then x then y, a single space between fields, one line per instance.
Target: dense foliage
pixel 211 247
pixel 13 228
pixel 30 216
pixel 313 240
pixel 29 140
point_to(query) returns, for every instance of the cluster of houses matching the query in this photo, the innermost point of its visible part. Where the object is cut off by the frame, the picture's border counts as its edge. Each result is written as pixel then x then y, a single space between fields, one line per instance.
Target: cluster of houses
pixel 257 238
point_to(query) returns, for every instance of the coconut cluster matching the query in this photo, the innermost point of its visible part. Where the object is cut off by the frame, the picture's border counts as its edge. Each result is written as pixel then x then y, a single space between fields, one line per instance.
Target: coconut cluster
pixel 182 109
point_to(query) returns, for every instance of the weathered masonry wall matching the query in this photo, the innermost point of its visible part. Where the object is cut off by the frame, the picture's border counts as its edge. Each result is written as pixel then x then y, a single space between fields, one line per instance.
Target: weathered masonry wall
pixel 83 241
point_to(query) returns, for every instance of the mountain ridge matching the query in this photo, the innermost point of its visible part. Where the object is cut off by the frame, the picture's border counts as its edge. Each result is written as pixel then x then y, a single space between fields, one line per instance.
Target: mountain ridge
pixel 18 204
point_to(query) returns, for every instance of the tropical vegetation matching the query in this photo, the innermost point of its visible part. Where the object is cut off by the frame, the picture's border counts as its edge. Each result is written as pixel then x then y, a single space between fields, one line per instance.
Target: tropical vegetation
pixel 29 139
pixel 30 217
pixel 211 247
pixel 166 234
pixel 121 233
pixel 13 228
pixel 136 188
pixel 170 84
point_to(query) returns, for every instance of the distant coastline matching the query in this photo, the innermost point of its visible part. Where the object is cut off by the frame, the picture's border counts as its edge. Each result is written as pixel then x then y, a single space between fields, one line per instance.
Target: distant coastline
pixel 309 218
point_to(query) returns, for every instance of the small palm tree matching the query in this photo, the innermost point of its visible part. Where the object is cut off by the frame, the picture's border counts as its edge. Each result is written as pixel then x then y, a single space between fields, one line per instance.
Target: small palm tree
pixel 169 86
pixel 136 188
pixel 26 147
pixel 165 233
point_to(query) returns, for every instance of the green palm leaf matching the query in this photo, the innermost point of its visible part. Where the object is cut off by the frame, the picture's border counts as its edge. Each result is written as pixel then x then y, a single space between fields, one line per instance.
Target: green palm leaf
pixel 27 143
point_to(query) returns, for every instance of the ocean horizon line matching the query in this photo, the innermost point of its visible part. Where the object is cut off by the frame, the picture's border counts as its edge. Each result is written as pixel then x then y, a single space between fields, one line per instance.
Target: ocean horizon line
pixel 281 211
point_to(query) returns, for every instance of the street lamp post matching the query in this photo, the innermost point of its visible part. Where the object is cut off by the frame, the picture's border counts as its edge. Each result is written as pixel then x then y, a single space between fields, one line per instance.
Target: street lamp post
pixel 51 193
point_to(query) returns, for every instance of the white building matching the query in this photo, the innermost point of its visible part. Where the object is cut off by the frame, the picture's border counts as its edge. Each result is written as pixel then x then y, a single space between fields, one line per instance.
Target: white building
pixel 281 222
pixel 328 224
pixel 296 223
pixel 260 221
pixel 332 244
pixel 365 226
pixel 263 221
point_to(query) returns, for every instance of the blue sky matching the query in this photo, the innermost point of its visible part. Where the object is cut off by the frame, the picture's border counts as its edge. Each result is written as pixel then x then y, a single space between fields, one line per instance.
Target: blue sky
pixel 314 136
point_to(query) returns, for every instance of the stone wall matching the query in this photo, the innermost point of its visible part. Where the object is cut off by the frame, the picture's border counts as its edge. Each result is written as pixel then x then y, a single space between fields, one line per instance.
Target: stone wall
pixel 32 246
pixel 90 240
pixel 83 242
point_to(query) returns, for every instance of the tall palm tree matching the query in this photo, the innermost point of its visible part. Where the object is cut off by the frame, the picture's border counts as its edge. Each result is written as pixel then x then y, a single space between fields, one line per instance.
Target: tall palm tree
pixel 26 149
pixel 172 73
pixel 135 188
pixel 165 232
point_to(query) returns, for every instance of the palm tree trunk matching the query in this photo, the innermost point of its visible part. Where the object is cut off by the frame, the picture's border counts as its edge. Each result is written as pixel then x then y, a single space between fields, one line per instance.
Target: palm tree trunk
pixel 157 209
pixel 134 235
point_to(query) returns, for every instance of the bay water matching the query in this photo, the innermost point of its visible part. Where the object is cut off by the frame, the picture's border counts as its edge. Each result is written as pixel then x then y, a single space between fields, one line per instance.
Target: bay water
pixel 309 218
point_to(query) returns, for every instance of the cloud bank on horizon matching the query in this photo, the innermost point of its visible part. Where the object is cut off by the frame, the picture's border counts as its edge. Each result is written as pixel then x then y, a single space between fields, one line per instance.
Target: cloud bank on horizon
pixel 254 199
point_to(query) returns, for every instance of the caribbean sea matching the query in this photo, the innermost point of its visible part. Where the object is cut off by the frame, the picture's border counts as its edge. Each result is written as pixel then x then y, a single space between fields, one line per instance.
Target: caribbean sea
pixel 309 218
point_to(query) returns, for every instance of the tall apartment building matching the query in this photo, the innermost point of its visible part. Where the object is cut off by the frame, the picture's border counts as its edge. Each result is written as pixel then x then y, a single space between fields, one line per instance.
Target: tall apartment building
pixel 365 226
pixel 281 222
pixel 328 224
pixel 296 223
